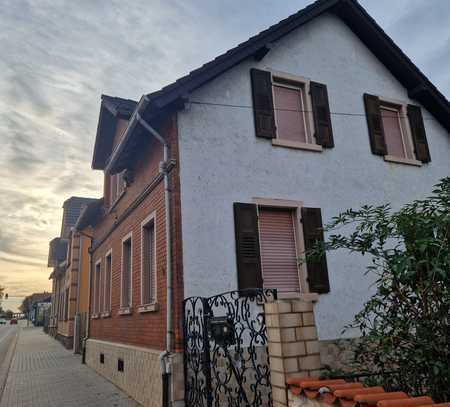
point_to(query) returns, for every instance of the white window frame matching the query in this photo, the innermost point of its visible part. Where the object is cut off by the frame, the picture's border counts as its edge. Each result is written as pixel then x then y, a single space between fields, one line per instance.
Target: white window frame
pixel 118 193
pixel 296 207
pixel 96 310
pixel 277 78
pixel 107 309
pixel 400 108
pixel 152 306
pixel 126 310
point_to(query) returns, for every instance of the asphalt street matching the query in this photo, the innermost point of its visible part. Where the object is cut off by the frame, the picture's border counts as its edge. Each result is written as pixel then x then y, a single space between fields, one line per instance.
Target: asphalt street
pixel 7 334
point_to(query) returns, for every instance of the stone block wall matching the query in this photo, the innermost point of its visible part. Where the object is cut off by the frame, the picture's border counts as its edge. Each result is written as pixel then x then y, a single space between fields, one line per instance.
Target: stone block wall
pixel 293 344
pixel 141 375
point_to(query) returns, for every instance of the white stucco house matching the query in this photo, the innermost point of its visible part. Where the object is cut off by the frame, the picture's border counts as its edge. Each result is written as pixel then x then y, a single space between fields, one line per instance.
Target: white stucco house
pixel 317 114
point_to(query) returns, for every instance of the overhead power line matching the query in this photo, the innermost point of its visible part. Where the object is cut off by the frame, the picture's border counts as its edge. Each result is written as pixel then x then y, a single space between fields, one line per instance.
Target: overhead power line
pixel 196 102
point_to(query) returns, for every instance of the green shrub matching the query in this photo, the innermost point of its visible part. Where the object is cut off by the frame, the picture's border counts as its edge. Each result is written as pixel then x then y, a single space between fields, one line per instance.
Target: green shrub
pixel 405 325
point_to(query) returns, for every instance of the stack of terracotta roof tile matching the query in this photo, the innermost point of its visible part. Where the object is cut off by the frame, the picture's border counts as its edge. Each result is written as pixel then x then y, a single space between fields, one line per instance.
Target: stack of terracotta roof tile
pixel 343 394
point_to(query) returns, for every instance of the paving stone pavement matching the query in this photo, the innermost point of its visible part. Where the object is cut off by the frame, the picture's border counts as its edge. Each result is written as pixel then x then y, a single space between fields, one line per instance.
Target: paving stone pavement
pixel 44 374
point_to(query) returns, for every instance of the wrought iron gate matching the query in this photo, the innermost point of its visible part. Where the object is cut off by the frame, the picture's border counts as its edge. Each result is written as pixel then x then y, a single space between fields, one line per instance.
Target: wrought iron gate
pixel 226 359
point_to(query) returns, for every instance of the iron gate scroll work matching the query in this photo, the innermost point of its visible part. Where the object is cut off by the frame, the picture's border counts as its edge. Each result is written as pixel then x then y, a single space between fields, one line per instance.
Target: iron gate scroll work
pixel 226 359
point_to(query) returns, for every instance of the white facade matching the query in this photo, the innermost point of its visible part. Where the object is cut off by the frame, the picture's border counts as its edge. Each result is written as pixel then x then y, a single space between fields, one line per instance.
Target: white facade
pixel 222 161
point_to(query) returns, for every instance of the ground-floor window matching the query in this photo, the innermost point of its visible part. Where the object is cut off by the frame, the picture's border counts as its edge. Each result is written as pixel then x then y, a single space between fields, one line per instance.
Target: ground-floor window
pixel 280 268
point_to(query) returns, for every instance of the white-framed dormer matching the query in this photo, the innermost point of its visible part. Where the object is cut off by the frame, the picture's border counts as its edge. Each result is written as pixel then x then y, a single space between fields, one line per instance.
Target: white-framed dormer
pixel 148 264
pixel 107 285
pixel 126 269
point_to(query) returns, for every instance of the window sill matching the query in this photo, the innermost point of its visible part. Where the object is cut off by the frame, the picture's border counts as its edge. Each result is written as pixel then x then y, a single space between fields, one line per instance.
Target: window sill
pixel 106 314
pixel 297 145
pixel 125 311
pixel 308 297
pixel 402 160
pixel 148 308
pixel 94 316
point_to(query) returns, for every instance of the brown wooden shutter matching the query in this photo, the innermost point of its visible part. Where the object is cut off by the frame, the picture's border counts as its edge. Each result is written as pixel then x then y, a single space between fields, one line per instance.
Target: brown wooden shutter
pixel 418 133
pixel 263 103
pixel 375 124
pixel 247 246
pixel 317 268
pixel 321 113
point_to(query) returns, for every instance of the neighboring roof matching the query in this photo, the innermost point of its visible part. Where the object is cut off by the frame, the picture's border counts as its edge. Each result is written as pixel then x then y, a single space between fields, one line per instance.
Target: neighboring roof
pixel 57 251
pixel 112 108
pixel 356 18
pixel 72 210
pixel 90 215
pixel 38 297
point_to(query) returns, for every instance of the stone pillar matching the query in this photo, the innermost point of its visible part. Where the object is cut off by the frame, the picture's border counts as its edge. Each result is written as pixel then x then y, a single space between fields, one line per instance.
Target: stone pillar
pixel 293 344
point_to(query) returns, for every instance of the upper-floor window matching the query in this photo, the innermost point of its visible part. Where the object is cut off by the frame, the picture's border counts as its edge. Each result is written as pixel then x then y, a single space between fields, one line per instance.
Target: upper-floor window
pixel 126 275
pixel 117 186
pixel 291 110
pixel 396 130
pixel 148 245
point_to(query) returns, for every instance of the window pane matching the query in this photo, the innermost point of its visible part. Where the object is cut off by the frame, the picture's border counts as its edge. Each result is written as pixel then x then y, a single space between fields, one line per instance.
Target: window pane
pixel 126 274
pixel 113 188
pixel 289 113
pixel 97 289
pixel 107 298
pixel 393 132
pixel 148 264
pixel 278 250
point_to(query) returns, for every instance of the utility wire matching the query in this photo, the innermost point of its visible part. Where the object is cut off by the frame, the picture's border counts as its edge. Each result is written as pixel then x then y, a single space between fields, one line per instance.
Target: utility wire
pixel 196 102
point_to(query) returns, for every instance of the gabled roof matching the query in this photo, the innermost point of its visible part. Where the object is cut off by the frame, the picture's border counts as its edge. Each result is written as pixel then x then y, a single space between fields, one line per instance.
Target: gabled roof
pixel 118 106
pixel 111 109
pixel 357 19
pixel 90 215
pixel 170 98
pixel 57 251
pixel 72 209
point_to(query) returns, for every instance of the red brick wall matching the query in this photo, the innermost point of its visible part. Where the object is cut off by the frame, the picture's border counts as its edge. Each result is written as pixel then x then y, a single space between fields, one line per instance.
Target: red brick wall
pixel 146 329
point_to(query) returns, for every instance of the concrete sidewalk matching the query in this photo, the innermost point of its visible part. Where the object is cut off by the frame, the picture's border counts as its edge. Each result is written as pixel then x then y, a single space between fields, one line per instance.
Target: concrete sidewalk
pixel 44 374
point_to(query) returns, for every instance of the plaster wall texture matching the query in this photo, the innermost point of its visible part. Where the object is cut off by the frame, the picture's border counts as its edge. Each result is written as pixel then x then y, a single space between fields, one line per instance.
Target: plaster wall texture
pixel 221 162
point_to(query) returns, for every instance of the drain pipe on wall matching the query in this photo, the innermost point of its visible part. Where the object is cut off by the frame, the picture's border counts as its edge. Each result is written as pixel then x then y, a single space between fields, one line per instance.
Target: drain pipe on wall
pixel 164 357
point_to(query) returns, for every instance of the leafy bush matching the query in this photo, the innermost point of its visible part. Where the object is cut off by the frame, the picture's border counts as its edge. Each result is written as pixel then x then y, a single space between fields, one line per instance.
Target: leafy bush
pixel 405 325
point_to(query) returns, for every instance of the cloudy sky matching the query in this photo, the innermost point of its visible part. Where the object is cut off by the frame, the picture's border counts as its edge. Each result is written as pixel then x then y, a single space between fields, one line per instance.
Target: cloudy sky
pixel 58 56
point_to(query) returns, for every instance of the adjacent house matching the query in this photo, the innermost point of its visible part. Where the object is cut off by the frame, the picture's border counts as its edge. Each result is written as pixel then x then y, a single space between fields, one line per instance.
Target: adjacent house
pixel 220 180
pixel 36 306
pixel 69 257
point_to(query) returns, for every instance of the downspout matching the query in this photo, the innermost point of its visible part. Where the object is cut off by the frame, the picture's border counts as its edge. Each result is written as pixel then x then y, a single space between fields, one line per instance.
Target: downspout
pixel 76 325
pixel 88 316
pixel 164 358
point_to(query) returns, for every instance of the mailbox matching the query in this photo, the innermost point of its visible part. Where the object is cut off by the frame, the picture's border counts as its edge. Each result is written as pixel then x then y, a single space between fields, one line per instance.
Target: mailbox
pixel 221 329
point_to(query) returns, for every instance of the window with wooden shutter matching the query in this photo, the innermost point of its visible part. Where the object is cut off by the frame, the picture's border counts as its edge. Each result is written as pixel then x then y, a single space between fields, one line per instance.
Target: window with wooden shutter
pixel 317 270
pixel 321 113
pixel 247 246
pixel 263 103
pixel 418 134
pixel 375 124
